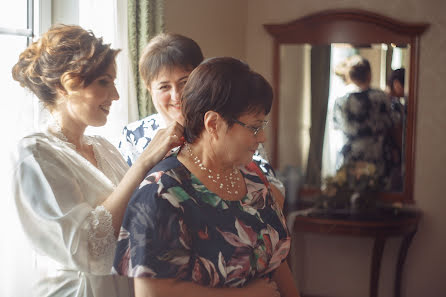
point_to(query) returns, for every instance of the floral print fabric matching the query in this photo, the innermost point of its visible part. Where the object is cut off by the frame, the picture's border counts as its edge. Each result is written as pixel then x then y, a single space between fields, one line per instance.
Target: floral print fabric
pixel 174 227
pixel 136 137
pixel 367 121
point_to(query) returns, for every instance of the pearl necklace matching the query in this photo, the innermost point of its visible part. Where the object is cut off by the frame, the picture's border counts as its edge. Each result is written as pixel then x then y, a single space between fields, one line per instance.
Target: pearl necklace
pixel 229 183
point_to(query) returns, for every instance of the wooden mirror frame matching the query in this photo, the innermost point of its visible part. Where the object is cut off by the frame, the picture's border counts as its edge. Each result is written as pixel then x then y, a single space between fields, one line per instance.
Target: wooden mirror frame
pixel 357 27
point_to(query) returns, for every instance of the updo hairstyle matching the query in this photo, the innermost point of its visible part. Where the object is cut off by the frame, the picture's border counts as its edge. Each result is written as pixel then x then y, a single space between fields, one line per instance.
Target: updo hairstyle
pixel 65 58
pixel 355 68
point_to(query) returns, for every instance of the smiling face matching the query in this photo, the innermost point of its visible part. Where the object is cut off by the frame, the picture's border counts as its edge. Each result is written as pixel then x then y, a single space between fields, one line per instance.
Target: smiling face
pixel 166 90
pixel 90 106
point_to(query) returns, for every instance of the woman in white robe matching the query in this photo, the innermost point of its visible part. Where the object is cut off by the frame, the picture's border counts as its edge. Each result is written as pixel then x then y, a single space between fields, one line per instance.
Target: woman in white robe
pixel 71 190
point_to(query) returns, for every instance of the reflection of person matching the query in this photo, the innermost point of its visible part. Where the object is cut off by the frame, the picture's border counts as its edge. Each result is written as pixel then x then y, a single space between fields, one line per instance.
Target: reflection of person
pixel 164 66
pixel 395 83
pixel 71 190
pixel 364 117
pixel 204 222
pixel 395 91
pixel 398 105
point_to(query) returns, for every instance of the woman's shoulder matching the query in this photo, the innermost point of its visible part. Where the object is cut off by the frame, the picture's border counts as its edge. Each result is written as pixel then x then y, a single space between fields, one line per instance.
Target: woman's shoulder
pixel 167 173
pixel 39 149
pixel 254 173
pixel 378 95
pixel 155 189
pixel 37 141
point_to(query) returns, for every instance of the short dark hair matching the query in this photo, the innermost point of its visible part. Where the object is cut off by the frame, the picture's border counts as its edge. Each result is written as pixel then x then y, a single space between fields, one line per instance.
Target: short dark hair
pixel 224 85
pixel 168 50
pixel 397 74
pixel 358 68
pixel 65 58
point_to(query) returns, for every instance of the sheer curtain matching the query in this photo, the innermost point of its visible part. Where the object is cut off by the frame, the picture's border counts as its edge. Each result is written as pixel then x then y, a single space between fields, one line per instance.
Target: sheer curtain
pixel 108 18
pixel 21 113
pixel 333 139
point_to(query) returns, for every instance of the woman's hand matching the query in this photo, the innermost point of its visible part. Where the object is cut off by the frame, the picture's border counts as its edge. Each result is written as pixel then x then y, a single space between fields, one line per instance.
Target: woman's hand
pixel 262 287
pixel 164 140
pixel 161 144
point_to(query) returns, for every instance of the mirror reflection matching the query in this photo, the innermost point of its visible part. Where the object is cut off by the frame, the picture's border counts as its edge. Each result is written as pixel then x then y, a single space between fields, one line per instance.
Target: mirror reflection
pixel 354 99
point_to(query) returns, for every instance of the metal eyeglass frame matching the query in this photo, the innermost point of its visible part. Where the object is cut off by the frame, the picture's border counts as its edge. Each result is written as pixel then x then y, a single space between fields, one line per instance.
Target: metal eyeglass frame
pixel 253 129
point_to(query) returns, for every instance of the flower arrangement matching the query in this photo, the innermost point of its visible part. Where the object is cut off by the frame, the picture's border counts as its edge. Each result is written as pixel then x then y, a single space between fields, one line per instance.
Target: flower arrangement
pixel 353 185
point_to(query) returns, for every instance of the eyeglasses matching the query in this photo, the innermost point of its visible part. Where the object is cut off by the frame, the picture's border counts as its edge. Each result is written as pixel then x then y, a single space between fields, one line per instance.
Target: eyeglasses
pixel 254 130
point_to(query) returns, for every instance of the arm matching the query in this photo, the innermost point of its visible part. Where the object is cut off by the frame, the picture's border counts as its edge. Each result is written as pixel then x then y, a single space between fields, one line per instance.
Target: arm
pixel 282 276
pixel 164 140
pixel 54 195
pixel 147 287
pixel 284 280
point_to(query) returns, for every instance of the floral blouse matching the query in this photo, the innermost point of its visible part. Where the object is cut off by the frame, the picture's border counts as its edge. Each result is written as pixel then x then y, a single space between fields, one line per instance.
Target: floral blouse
pixel 174 227
pixel 137 135
pixel 367 121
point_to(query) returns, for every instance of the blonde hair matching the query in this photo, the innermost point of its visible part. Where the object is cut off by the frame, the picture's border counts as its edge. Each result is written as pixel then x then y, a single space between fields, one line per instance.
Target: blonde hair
pixel 65 58
pixel 354 68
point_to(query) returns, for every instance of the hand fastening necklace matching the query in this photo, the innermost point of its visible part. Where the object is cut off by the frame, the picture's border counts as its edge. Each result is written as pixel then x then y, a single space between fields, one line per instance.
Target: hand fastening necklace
pixel 229 183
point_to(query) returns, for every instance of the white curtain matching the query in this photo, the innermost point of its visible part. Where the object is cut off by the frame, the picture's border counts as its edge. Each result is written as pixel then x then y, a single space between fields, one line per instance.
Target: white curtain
pixel 333 139
pixel 108 19
pixel 18 113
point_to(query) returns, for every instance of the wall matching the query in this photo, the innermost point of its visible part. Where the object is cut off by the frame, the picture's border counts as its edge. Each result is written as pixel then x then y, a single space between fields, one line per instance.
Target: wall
pixel 217 26
pixel 338 266
pixel 332 265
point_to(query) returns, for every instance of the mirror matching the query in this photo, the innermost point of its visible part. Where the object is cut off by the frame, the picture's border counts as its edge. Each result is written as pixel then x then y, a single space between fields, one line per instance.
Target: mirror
pixel 307 114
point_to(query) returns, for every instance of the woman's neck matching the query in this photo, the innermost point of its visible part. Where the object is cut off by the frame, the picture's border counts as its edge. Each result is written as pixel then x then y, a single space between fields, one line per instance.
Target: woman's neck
pixel 205 152
pixel 73 133
pixel 219 176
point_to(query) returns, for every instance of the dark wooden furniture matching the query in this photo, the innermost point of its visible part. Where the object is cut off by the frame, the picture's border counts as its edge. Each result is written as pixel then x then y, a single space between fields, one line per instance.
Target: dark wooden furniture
pixel 353 26
pixel 379 224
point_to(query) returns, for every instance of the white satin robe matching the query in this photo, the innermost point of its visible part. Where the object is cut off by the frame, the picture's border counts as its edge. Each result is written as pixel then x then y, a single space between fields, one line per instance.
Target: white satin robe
pixel 57 193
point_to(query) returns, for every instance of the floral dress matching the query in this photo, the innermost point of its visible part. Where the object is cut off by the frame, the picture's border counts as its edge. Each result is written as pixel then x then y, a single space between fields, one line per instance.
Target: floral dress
pixel 137 135
pixel 367 121
pixel 174 227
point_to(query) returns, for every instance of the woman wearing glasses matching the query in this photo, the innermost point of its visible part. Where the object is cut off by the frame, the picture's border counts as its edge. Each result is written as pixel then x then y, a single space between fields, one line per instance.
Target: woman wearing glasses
pixel 165 66
pixel 206 215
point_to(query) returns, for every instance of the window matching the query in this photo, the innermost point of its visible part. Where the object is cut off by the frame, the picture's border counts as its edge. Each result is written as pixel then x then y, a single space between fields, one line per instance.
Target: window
pixel 16 31
pixel 18 27
pixel 20 22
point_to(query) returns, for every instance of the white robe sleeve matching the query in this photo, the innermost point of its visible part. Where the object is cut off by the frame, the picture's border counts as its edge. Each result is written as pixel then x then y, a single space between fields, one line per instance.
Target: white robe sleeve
pixel 56 213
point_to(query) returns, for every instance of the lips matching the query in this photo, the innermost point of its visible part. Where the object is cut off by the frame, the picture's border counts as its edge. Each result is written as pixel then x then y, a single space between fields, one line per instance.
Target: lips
pixel 177 106
pixel 105 108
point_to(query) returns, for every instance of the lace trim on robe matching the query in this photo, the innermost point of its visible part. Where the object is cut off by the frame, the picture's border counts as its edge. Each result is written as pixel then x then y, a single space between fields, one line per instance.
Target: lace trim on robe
pixel 101 238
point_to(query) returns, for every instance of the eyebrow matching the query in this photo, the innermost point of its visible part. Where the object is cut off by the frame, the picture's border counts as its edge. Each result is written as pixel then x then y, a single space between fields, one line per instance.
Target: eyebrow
pixel 107 75
pixel 181 78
